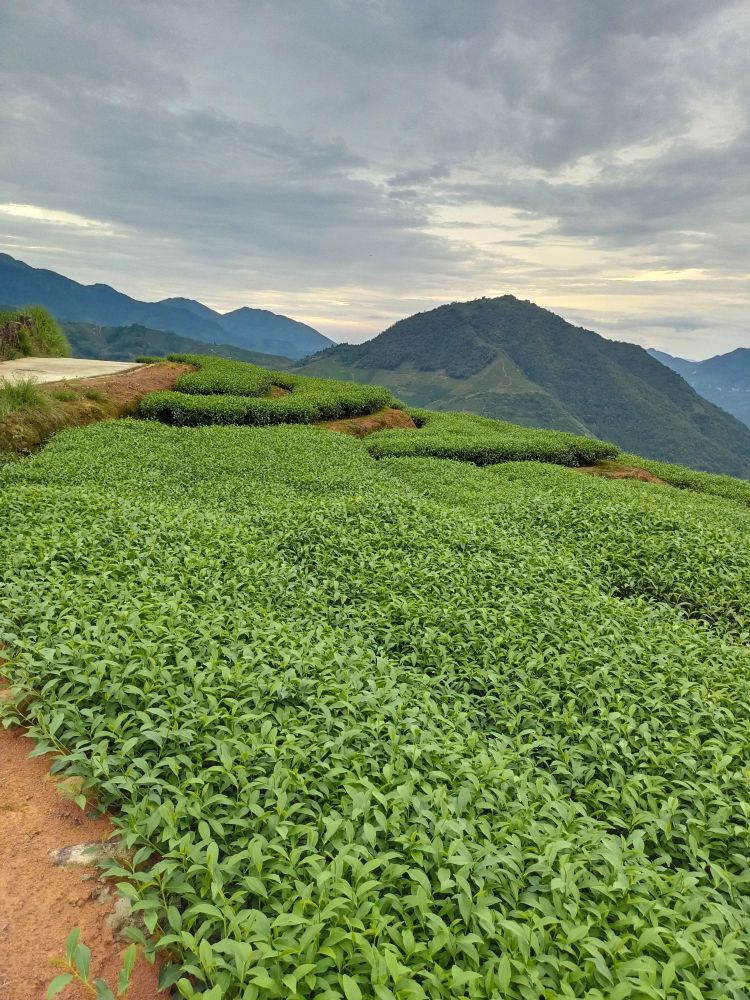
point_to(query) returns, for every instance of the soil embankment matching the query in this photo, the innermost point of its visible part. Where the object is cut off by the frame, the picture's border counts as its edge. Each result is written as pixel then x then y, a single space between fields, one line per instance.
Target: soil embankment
pixel 76 402
pixel 616 470
pixel 362 426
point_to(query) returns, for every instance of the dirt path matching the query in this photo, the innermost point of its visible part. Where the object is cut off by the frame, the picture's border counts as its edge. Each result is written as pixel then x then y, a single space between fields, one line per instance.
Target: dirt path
pixel 40 903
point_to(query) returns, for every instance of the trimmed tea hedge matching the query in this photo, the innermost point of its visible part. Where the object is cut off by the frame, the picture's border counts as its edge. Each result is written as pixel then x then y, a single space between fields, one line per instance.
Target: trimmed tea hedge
pixel 467 437
pixel 222 376
pixel 232 392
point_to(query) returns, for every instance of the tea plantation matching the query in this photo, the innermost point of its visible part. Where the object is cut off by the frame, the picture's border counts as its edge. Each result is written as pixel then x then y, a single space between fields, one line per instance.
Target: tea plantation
pixel 400 727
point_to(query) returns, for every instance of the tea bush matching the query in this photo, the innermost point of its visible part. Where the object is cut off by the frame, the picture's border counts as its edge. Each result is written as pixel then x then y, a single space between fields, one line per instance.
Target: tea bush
pixel 470 438
pixel 227 392
pixel 395 729
pixel 219 375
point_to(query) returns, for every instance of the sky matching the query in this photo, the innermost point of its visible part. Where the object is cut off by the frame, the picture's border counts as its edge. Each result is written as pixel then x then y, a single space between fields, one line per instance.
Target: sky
pixel 351 162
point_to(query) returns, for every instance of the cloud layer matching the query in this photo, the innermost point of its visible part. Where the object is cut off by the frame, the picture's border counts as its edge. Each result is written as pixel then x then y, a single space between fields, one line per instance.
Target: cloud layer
pixel 350 162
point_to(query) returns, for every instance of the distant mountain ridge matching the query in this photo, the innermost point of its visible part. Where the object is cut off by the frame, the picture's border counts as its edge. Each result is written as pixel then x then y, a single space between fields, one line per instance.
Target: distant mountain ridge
pixel 68 300
pixel 723 379
pixel 126 343
pixel 510 359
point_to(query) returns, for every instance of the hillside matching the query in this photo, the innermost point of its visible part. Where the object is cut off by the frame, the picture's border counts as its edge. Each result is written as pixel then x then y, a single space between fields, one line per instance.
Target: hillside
pixel 379 725
pixel 126 343
pixel 723 379
pixel 30 331
pixel 253 329
pixel 513 360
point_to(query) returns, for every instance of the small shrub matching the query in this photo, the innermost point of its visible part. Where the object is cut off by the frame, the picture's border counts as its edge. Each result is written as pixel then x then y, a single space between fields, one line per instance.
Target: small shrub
pixel 95 395
pixel 77 966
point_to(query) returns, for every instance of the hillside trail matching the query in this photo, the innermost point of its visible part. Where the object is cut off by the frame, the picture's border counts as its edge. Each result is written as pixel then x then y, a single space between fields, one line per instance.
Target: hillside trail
pixel 41 902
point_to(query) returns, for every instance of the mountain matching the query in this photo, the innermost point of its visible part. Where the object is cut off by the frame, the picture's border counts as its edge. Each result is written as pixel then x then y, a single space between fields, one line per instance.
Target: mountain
pixel 126 343
pixel 513 360
pixel 272 332
pixel 192 306
pixel 723 379
pixel 254 329
pixel 264 330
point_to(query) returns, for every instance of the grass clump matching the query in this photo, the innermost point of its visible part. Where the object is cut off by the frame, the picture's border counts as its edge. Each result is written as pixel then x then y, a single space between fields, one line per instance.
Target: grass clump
pixel 233 392
pixel 64 395
pixel 31 331
pixel 21 395
pixel 467 437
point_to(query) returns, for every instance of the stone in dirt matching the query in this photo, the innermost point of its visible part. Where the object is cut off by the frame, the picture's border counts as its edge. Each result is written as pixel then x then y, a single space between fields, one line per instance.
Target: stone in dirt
pixel 87 854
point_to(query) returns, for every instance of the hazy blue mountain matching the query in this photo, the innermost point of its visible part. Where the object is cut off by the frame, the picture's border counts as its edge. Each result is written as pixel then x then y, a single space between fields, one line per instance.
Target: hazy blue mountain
pixel 268 331
pixel 510 359
pixel 723 379
pixel 126 343
pixel 192 306
pixel 250 329
pixel 271 332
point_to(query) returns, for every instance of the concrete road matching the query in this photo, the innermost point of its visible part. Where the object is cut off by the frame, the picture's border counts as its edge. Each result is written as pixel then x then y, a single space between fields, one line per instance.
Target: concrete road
pixel 57 369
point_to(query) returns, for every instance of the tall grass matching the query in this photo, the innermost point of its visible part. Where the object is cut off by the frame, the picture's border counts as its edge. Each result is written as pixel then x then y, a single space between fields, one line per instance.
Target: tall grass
pixel 31 331
pixel 22 395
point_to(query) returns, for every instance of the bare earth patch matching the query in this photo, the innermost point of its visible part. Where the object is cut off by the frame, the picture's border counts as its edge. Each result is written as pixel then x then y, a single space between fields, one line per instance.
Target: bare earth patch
pixel 362 426
pixel 41 902
pixel 109 396
pixel 615 470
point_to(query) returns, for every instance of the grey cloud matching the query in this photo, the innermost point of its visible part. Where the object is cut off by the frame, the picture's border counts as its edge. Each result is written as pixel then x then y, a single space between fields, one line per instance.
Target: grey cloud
pixel 259 145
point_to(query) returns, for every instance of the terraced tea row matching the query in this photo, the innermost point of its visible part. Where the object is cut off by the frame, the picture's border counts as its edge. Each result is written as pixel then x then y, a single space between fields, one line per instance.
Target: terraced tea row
pixel 467 437
pixel 229 392
pixel 232 392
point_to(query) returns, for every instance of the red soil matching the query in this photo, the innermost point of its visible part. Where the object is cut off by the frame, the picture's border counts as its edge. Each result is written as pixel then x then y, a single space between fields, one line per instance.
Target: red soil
pixel 614 470
pixel 362 426
pixel 118 396
pixel 126 389
pixel 40 903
